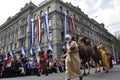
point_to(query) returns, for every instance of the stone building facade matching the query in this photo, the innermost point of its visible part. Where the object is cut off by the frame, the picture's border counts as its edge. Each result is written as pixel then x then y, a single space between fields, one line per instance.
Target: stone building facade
pixel 15 32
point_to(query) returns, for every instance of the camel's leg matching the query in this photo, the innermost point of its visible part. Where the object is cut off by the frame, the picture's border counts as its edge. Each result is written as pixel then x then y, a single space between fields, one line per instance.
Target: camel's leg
pixel 95 67
pixel 99 68
pixel 88 67
pixel 84 72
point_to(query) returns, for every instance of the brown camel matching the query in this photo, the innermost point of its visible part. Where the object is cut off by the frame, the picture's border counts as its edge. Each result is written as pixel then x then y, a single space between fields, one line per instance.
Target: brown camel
pixel 87 52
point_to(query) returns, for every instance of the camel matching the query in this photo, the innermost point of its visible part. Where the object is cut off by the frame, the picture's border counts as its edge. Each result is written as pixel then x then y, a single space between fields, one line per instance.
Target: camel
pixel 86 53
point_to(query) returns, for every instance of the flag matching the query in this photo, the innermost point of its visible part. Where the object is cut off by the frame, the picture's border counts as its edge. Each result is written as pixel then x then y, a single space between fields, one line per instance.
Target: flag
pixel 65 14
pixel 32 51
pixel 12 53
pixel 46 25
pixel 72 25
pixel 31 31
pixel 5 56
pixel 50 46
pixel 38 26
pixel 23 51
pixel 39 48
pixel 63 45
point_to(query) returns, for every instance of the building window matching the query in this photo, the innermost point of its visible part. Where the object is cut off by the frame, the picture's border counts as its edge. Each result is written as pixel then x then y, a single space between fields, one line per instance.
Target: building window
pixel 62 36
pixel 41 13
pixel 68 26
pixel 67 12
pixel 3 49
pixel 49 9
pixel 90 34
pixel 35 29
pixel 22 43
pixel 42 26
pixel 15 46
pixel 42 38
pixel 77 28
pixel 51 37
pixel 35 17
pixel 62 24
pixel 35 40
pixel 7 48
pixel 16 32
pixel 0 41
pixel 21 30
pixel 80 19
pixel 49 22
pixel 74 16
pixel 10 46
pixel 25 20
pixel 60 8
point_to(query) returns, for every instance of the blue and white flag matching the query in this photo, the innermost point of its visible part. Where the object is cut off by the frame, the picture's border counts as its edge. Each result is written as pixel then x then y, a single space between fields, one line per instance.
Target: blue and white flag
pixel 65 14
pixel 23 51
pixel 39 48
pixel 31 31
pixel 46 25
pixel 63 45
pixel 12 53
pixel 5 56
pixel 50 46
pixel 31 51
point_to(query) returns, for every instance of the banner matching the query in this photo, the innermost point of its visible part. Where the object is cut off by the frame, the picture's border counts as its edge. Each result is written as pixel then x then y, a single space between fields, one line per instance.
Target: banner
pixel 72 25
pixel 65 14
pixel 31 31
pixel 46 25
pixel 39 29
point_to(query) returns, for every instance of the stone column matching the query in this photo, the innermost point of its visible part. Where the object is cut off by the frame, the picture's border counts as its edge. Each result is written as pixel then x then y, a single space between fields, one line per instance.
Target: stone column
pixel 56 30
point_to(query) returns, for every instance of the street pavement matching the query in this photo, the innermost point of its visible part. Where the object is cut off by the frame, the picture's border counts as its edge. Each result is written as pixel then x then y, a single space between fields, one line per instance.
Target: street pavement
pixel 114 74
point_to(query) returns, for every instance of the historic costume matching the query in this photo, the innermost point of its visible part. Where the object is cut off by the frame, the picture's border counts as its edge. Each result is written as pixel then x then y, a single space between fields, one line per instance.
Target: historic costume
pixel 43 65
pixel 105 57
pixel 72 61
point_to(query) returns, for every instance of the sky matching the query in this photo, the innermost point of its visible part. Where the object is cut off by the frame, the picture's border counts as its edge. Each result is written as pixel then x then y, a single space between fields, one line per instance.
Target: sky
pixel 103 11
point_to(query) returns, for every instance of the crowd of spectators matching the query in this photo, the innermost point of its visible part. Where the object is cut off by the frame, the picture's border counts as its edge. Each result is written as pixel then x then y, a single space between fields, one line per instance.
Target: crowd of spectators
pixel 23 66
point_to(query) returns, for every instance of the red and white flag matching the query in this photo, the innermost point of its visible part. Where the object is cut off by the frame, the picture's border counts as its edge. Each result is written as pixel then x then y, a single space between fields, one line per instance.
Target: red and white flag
pixel 38 27
pixel 72 24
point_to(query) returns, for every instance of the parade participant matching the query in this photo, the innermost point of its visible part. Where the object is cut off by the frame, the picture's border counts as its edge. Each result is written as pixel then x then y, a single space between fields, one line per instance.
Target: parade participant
pixel 72 59
pixel 110 60
pixel 8 66
pixel 26 66
pixel 42 66
pixel 105 59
